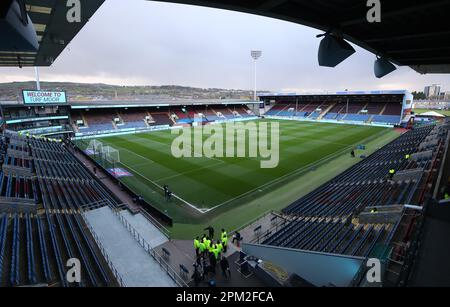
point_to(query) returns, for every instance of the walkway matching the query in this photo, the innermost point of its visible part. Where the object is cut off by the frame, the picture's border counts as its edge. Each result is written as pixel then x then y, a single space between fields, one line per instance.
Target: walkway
pixel 136 267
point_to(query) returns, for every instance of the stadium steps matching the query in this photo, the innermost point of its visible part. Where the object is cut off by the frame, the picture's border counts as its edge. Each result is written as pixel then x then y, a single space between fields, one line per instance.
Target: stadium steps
pixel 83 117
pixel 324 113
pixel 152 234
pixel 363 108
pixel 133 263
pixel 150 117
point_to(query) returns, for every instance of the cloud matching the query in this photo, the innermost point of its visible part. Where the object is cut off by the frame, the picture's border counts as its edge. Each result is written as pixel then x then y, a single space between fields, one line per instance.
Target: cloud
pixel 157 43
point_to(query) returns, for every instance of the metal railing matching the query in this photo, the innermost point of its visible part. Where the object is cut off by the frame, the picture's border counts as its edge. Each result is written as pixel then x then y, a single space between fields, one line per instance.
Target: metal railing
pixel 104 253
pixel 94 205
pixel 272 227
pixel 155 222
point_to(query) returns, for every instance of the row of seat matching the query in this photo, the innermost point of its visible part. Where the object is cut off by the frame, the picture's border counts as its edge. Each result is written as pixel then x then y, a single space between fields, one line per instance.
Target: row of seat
pixel 341 112
pixel 17 162
pixel 366 182
pixel 35 247
pixel 324 219
pixel 330 235
pixel 17 187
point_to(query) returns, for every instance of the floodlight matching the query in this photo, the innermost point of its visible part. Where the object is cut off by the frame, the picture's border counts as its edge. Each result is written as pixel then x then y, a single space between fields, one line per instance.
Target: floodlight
pixel 255 54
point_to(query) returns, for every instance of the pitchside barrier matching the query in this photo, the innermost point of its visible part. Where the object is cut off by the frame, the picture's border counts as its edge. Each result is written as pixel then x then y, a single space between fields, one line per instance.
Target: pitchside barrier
pixel 147 207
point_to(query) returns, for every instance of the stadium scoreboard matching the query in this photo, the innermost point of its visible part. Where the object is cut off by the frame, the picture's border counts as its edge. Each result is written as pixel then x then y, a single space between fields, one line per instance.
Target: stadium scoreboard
pixel 43 97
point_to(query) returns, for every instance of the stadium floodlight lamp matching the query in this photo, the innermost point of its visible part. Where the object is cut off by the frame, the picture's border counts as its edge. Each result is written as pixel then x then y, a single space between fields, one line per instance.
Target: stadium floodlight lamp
pixel 256 54
pixel 333 50
pixel 382 67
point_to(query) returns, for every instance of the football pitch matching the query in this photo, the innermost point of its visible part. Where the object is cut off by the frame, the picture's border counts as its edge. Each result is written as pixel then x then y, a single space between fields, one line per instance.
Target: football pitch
pixel 205 185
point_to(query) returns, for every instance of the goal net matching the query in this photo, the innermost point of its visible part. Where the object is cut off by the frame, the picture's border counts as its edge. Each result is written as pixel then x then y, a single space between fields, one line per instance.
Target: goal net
pixel 111 154
pixel 105 152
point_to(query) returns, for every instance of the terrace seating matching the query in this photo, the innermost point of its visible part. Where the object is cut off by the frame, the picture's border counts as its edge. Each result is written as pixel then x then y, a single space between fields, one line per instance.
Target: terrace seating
pixel 98 121
pixel 366 183
pixel 374 108
pixel 133 118
pixel 314 115
pixel 287 112
pixel 34 247
pixel 212 118
pixel 135 124
pixel 357 117
pixel 341 111
pixel 393 109
pixel 17 187
pixel 276 109
pixel 25 258
pixel 331 116
pixel 161 118
pixel 332 236
pixel 226 113
pixel 386 119
pixel 97 127
pixel 245 112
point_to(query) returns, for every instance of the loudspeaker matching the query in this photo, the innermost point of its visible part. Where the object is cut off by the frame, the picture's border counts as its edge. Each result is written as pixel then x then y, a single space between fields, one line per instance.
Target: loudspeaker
pixel 16 29
pixel 333 50
pixel 382 67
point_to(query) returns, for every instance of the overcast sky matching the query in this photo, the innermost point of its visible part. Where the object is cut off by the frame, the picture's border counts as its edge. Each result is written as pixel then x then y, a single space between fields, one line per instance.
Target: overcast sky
pixel 139 42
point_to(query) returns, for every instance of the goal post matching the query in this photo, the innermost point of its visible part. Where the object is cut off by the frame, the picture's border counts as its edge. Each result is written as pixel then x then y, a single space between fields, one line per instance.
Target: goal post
pixel 95 146
pixel 106 155
pixel 111 154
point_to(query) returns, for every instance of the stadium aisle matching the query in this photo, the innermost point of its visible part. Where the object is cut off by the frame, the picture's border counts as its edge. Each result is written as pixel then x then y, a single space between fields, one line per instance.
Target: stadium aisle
pixel 134 264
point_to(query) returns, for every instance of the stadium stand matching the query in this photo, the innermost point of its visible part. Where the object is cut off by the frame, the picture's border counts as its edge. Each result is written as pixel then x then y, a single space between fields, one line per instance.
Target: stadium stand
pixel 357 109
pixel 133 118
pixel 97 121
pixel 330 236
pixel 331 218
pixel 161 118
pixel 36 244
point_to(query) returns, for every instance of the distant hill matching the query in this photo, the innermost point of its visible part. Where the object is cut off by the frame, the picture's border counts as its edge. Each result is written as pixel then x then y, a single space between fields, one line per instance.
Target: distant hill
pixel 84 91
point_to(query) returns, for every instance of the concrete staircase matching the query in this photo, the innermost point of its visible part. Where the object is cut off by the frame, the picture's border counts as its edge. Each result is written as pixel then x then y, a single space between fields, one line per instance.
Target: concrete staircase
pixel 134 264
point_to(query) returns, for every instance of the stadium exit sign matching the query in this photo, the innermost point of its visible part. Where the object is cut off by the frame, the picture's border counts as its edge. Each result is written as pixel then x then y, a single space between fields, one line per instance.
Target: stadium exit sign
pixel 43 97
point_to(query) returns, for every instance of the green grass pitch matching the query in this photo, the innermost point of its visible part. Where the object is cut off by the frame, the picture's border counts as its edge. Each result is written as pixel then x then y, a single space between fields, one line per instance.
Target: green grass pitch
pixel 218 182
pixel 443 112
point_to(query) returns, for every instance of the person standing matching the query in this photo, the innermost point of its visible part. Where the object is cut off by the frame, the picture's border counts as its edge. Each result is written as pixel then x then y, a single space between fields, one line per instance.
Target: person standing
pixel 223 234
pixel 391 173
pixel 197 277
pixel 166 191
pixel 213 263
pixel 225 266
pixel 202 248
pixel 224 243
pixel 210 231
pixel 219 246
pixel 197 246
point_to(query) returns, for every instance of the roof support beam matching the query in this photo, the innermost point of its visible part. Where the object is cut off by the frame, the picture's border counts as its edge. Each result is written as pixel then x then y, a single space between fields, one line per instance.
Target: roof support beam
pixel 413 50
pixel 407 36
pixel 270 4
